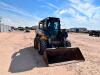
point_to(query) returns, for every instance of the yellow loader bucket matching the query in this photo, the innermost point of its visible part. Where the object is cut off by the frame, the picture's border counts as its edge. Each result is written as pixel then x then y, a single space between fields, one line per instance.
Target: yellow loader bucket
pixel 56 55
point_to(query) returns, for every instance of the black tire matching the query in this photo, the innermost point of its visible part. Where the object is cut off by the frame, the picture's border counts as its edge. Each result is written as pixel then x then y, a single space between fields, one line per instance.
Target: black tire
pixel 68 44
pixel 41 46
pixel 36 43
pixel 98 35
pixel 90 34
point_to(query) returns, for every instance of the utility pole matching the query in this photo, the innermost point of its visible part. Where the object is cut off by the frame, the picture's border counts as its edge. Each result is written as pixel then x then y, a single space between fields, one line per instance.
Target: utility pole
pixel 0 23
pixel 0 19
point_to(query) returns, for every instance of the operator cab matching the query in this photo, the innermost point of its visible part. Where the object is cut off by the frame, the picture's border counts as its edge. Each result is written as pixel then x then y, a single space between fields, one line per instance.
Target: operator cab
pixel 50 23
pixel 51 26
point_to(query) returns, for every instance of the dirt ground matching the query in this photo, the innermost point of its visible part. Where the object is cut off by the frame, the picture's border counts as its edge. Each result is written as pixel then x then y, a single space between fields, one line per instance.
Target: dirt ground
pixel 18 57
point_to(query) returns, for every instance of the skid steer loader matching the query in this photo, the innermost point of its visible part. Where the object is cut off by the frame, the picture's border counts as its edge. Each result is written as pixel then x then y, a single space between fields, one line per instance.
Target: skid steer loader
pixel 51 42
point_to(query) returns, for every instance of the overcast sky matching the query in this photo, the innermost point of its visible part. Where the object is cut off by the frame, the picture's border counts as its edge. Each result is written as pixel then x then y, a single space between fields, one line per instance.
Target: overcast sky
pixel 73 13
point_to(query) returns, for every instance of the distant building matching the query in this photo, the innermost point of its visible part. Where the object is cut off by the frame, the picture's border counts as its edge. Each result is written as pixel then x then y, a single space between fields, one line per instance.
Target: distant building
pixel 78 29
pixel 34 27
pixel 4 28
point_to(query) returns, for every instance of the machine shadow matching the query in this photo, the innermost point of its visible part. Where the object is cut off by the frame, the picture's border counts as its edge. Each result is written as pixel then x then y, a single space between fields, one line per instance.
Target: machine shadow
pixel 26 59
